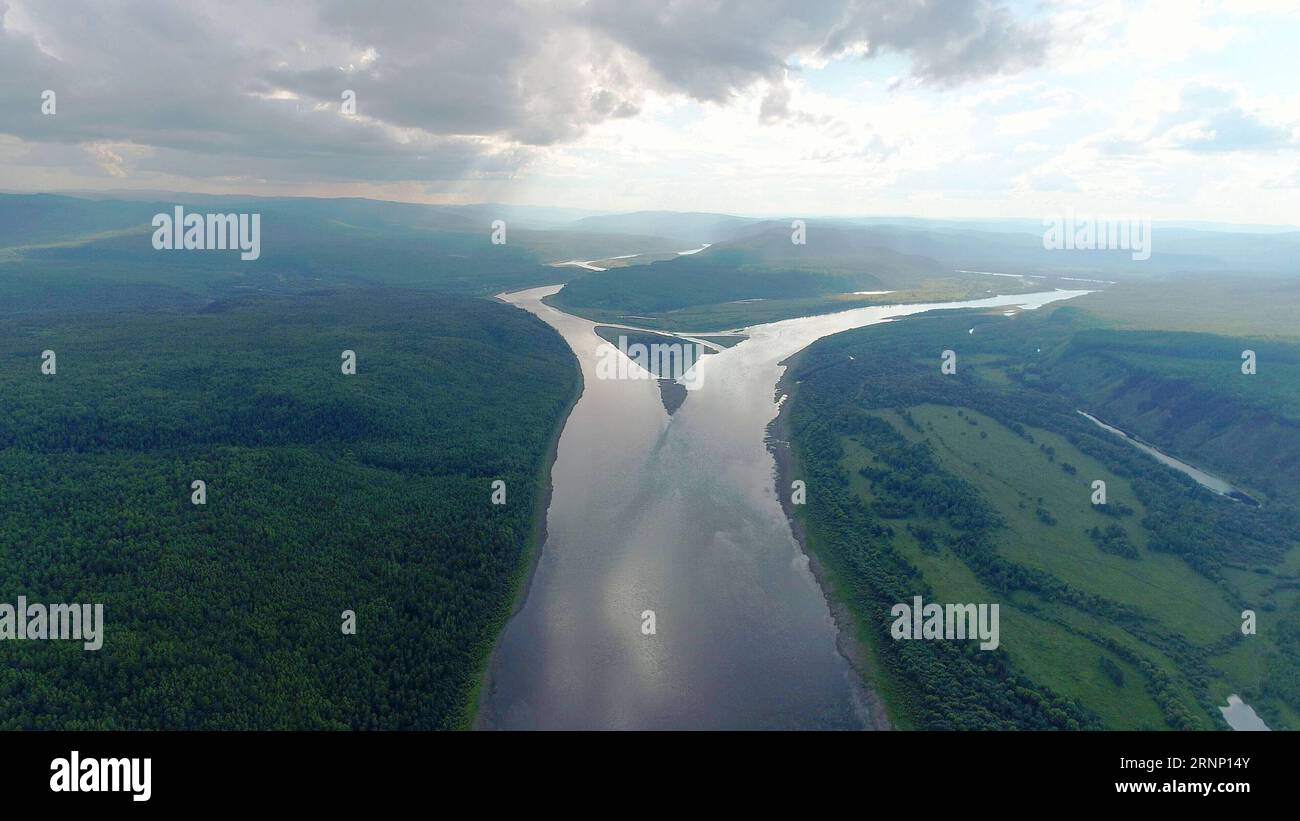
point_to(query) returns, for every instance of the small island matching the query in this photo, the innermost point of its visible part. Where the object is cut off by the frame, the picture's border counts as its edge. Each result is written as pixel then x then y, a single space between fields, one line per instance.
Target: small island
pixel 672 392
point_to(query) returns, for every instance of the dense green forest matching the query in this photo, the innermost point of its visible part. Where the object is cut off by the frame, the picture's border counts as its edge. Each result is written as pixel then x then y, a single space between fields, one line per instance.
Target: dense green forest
pixel 326 492
pixel 976 486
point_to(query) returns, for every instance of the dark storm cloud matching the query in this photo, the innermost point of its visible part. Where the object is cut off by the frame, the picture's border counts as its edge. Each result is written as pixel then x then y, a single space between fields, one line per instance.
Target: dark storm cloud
pixel 712 49
pixel 948 42
pixel 241 88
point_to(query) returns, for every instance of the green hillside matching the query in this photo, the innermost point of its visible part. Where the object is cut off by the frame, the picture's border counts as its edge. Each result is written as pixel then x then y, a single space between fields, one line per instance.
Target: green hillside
pixel 60 254
pixel 763 276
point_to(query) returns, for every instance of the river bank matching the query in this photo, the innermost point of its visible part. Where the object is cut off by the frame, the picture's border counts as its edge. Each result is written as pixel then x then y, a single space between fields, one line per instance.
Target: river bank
pixel 527 569
pixel 850 624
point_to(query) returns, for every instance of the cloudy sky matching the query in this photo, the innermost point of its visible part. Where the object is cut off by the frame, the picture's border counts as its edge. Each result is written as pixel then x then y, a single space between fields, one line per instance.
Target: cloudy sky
pixel 1169 108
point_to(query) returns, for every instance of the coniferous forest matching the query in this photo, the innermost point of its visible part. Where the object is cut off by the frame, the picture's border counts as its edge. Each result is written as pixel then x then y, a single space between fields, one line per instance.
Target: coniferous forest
pixel 325 492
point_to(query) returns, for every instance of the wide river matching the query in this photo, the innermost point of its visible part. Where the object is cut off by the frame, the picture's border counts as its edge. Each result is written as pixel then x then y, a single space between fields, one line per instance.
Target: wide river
pixel 679 515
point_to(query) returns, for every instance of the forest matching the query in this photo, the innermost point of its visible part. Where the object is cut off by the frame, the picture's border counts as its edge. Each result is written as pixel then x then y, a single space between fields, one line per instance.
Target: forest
pixel 326 492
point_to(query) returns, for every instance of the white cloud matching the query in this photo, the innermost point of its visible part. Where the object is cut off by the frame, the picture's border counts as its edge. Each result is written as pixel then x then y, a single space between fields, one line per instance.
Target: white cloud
pixel 807 107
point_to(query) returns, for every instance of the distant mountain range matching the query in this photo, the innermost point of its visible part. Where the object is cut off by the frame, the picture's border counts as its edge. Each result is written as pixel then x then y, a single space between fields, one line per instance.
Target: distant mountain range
pixel 28 219
pixel 103 238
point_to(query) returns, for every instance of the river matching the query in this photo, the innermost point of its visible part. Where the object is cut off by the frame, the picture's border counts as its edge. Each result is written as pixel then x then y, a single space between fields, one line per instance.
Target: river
pixel 1202 478
pixel 1241 716
pixel 678 515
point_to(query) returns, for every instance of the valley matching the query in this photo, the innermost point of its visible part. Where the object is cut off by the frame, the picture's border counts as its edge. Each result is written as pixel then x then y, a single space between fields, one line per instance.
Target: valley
pixel 652 494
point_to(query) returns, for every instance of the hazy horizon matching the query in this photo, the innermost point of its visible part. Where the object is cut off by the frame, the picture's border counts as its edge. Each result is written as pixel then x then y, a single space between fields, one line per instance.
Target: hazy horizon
pixel 580 213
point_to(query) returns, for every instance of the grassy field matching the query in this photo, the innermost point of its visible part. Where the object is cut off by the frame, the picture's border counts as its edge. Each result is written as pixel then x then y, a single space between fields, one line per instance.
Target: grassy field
pixel 1051 641
pixel 977 487
pixel 1237 305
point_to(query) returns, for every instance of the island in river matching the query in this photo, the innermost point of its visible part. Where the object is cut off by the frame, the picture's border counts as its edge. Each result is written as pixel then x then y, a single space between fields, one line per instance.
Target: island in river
pixel 677 516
